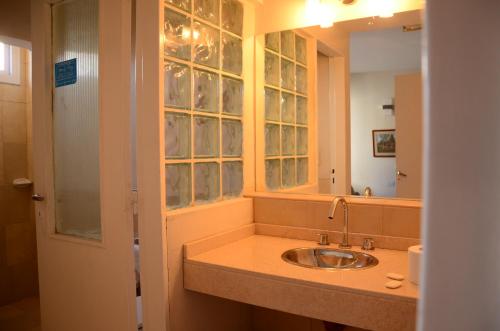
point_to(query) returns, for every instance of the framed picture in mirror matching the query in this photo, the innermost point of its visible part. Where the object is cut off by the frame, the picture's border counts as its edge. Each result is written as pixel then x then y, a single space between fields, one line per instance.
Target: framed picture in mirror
pixel 384 143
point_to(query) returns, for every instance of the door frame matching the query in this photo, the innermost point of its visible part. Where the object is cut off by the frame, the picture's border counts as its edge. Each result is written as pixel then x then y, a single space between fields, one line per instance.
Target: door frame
pixel 115 165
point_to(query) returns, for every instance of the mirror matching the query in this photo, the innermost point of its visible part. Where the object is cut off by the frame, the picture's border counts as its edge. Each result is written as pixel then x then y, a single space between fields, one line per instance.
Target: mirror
pixel 340 109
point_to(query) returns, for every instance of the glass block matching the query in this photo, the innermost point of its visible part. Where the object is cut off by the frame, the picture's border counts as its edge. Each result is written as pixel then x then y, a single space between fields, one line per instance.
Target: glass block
pixel 232 96
pixel 287 44
pixel 300 49
pixel 287 140
pixel 273 41
pixel 177 85
pixel 272 70
pixel 301 79
pixel 301 110
pixel 272 104
pixel 287 107
pixel 207 10
pixel 273 176
pixel 302 140
pixel 302 171
pixel 206 182
pixel 232 16
pixel 288 173
pixel 232 54
pixel 177 136
pixel 272 135
pixel 287 75
pixel 178 178
pixel 206 137
pixel 232 178
pixel 177 30
pixel 182 4
pixel 232 138
pixel 206 91
pixel 206 45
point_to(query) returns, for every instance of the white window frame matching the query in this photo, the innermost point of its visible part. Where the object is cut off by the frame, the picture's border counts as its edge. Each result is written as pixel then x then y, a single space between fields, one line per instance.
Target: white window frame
pixel 12 72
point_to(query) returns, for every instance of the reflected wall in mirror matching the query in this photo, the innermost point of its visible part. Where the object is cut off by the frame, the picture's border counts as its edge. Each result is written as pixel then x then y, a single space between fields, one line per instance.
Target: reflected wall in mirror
pixel 340 112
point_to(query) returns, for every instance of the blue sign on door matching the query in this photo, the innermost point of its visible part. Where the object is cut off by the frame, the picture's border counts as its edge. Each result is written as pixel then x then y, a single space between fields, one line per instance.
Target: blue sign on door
pixel 65 73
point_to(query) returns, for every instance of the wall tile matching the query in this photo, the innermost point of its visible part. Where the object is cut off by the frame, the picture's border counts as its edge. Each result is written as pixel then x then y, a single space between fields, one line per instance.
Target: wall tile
pixel 401 222
pixel 364 219
pixel 15 161
pixel 20 243
pixel 13 122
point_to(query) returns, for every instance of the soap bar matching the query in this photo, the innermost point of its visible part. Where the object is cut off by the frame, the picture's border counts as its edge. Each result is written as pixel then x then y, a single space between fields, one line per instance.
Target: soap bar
pixel 393 284
pixel 395 276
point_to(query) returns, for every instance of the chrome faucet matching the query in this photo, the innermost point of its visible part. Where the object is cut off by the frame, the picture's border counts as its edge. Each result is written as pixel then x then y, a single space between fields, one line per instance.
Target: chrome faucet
pixel 333 208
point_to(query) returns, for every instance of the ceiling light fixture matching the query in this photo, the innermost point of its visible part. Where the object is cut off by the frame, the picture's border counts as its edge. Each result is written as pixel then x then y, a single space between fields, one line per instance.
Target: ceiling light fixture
pixel 321 12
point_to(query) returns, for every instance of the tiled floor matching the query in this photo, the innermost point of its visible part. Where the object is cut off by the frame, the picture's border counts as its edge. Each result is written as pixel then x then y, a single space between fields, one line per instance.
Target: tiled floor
pixel 22 315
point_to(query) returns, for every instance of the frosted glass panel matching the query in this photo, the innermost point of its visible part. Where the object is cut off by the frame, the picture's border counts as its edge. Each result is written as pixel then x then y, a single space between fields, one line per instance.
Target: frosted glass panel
pixel 207 10
pixel 76 121
pixel 206 137
pixel 272 69
pixel 287 107
pixel 300 50
pixel 288 172
pixel 178 178
pixel 232 178
pixel 177 85
pixel 206 181
pixel 177 136
pixel 287 75
pixel 232 54
pixel 232 96
pixel 273 41
pixel 272 134
pixel 177 41
pixel 232 16
pixel 232 138
pixel 287 45
pixel 287 140
pixel 206 45
pixel 272 104
pixel 273 177
pixel 302 171
pixel 206 91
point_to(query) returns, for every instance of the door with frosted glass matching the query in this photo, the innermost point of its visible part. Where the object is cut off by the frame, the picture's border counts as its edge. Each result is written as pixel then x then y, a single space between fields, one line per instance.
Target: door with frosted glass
pixel 81 111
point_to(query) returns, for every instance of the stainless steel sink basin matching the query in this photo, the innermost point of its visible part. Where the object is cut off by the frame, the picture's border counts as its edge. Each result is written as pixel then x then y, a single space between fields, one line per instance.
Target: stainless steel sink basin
pixel 329 258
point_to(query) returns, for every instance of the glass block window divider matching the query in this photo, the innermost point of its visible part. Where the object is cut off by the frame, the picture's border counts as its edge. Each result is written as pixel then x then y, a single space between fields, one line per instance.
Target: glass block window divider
pixel 282 90
pixel 204 73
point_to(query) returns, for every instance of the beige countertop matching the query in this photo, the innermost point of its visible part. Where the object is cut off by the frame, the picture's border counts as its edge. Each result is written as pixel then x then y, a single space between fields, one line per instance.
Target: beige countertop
pixel 248 268
pixel 261 256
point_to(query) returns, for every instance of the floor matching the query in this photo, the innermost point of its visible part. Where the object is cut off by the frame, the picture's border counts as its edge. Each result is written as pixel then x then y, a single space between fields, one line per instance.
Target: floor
pixel 22 315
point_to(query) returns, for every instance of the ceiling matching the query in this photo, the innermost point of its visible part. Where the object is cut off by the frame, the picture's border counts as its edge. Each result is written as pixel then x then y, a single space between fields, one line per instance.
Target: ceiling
pixel 385 50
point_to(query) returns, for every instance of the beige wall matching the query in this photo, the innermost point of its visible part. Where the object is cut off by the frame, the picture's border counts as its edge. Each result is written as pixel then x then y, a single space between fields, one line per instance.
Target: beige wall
pixel 18 267
pixel 15 19
pixel 190 311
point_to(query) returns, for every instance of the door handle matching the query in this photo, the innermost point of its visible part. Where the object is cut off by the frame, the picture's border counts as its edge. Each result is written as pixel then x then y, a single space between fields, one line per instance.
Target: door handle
pixel 401 174
pixel 37 197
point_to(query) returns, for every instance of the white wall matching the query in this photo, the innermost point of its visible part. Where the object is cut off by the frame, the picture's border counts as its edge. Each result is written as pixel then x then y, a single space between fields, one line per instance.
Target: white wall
pixel 368 92
pixel 461 276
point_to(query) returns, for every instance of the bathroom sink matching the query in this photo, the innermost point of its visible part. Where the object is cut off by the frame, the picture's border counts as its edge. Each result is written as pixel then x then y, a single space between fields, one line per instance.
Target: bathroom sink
pixel 329 258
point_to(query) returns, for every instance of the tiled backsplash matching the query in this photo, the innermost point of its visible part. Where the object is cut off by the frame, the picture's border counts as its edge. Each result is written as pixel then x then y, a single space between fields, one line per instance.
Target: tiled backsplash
pixel 401 224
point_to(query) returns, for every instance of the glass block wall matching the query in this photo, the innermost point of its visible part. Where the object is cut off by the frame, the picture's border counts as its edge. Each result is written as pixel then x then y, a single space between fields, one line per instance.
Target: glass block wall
pixel 286 120
pixel 203 99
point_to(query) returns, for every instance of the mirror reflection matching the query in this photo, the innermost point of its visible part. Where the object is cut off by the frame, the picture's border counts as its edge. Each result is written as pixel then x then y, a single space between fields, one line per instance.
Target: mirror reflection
pixel 341 109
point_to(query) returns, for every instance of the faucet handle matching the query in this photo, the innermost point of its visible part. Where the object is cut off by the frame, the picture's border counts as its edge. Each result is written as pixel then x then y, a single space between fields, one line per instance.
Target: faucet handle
pixel 323 239
pixel 368 244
